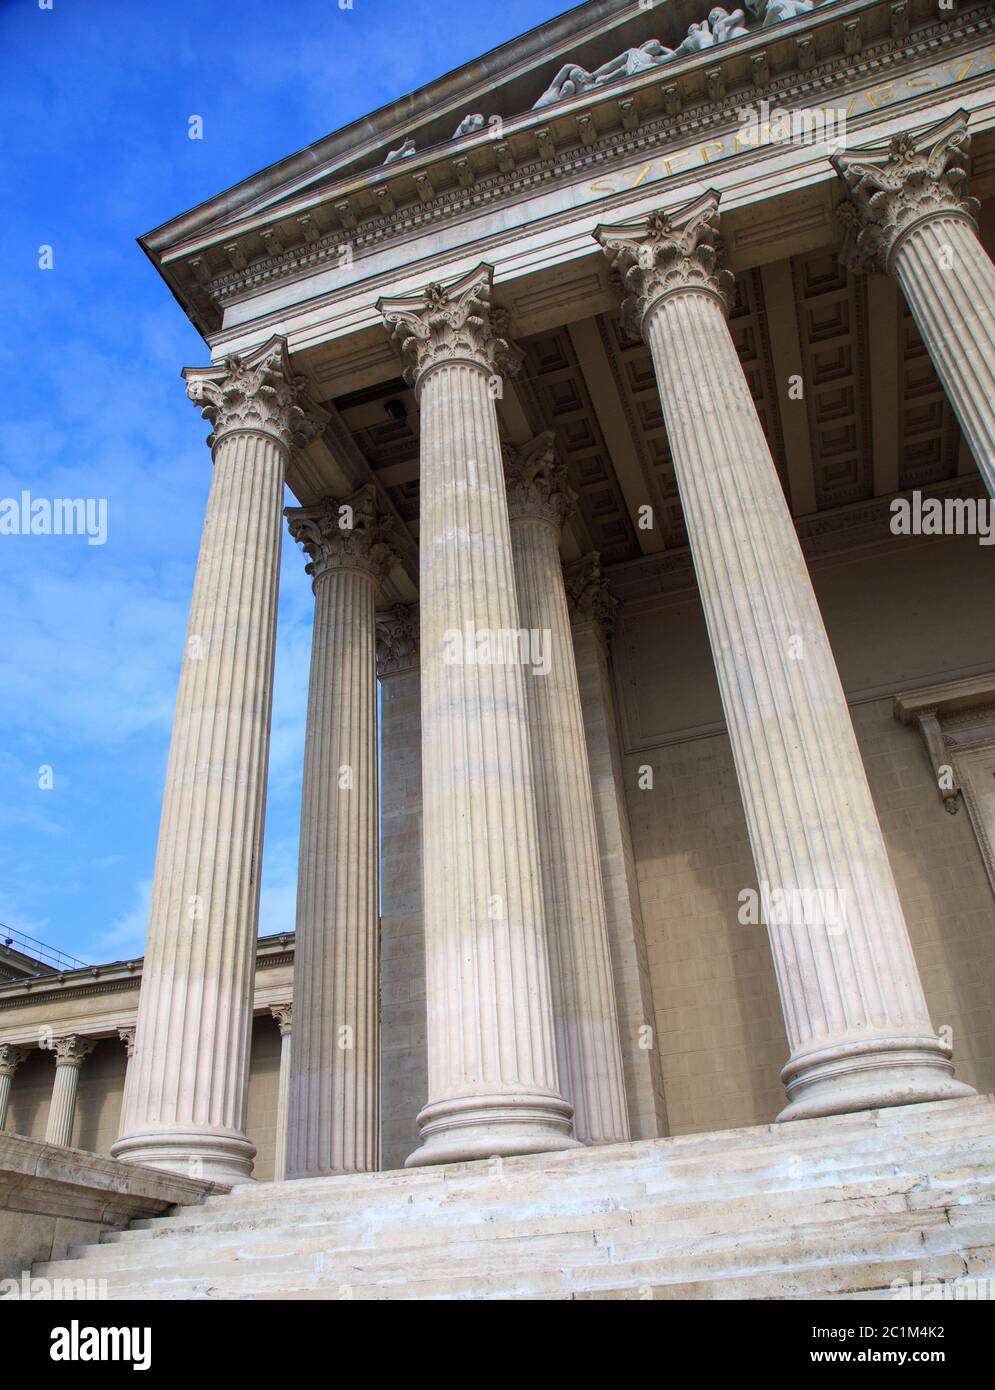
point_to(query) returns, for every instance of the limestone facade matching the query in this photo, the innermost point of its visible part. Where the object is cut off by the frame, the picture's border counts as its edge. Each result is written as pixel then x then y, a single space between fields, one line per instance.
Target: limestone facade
pixel 602 416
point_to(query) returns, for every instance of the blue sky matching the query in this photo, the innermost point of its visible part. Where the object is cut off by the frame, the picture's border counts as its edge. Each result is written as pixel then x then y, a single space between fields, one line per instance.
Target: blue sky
pixel 95 98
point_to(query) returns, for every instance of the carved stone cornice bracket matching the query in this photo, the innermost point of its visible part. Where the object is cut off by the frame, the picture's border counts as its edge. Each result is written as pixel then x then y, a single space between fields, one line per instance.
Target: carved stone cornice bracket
pixel 397 640
pixel 666 253
pixel 537 482
pixel 354 534
pixel 11 1058
pixel 259 393
pixel 894 186
pixel 443 325
pixel 589 599
pixel 72 1049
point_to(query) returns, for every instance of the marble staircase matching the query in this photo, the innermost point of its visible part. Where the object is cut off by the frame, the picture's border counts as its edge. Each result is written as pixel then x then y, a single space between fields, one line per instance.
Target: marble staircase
pixel 854 1206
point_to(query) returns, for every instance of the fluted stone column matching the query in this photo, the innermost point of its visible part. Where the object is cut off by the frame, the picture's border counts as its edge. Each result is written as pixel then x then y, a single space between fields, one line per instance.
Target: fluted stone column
pixel 907 213
pixel 11 1058
pixel 185 1095
pixel 853 1004
pixel 334 1115
pixel 592 616
pixel 584 1010
pixel 69 1051
pixel 284 1016
pixel 493 1082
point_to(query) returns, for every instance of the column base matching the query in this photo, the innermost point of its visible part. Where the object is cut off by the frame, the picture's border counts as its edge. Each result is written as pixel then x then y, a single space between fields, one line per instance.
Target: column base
pixel 468 1128
pixel 870 1076
pixel 217 1155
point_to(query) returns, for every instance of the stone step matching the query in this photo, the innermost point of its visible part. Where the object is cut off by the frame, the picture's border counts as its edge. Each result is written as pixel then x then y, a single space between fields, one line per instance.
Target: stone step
pixel 412 1225
pixel 812 1260
pixel 550 1241
pixel 659 1171
pixel 872 1129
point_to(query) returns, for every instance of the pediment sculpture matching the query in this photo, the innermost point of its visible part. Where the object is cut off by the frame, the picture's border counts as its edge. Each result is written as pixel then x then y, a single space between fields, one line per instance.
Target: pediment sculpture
pixel 720 26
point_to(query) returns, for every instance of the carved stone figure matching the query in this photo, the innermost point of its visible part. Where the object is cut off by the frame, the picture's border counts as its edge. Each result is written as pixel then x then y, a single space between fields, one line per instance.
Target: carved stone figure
pixel 634 60
pixel 401 152
pixel 727 25
pixel 699 37
pixel 776 11
pixel 469 125
pixel 570 80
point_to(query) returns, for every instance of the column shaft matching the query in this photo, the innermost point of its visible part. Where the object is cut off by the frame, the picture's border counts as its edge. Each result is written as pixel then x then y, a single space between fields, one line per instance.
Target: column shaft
pixel 283 1013
pixel 633 988
pixel 185 1094
pixel 334 1104
pixel 6 1081
pixel 70 1053
pixel 490 1038
pixel 11 1058
pixel 493 1084
pixel 948 281
pixel 584 1010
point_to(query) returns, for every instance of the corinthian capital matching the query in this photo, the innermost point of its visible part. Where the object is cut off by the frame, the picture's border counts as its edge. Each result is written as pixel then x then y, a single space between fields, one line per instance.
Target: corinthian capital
pixel 350 535
pixel 896 184
pixel 588 596
pixel 72 1049
pixel 537 483
pixel 664 252
pixel 284 1015
pixel 258 392
pixel 397 640
pixel 11 1058
pixel 451 323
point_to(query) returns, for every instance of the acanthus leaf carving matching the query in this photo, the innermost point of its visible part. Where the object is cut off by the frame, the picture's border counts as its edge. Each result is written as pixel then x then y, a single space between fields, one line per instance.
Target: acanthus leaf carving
pixel 11 1057
pixel 665 252
pixel 446 324
pixel 258 392
pixel 894 186
pixel 72 1049
pixel 588 596
pixel 353 534
pixel 397 640
pixel 537 482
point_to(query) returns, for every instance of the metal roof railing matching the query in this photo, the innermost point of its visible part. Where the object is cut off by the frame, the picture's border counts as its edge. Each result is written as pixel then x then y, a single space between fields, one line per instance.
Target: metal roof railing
pixel 38 950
